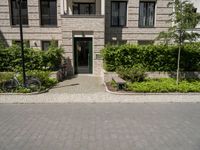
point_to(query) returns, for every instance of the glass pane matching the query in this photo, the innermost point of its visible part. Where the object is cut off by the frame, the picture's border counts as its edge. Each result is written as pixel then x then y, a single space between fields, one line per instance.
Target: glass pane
pixel 15 12
pixel 142 14
pixel 84 9
pixel 92 8
pixel 75 8
pixel 147 14
pixel 122 14
pixel 52 8
pixel 150 14
pixel 48 12
pixel 83 50
pixel 115 13
pixel 45 45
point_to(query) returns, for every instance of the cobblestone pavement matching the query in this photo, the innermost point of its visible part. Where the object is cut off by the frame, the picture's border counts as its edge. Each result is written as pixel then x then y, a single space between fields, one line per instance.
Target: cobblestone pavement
pixel 150 126
pixel 79 84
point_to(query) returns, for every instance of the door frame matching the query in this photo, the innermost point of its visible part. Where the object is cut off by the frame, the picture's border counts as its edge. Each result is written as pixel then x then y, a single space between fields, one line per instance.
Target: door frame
pixel 90 58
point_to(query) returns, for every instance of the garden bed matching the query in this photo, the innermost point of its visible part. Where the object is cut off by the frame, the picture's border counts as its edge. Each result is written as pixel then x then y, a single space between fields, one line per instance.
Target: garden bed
pixel 43 76
pixel 165 85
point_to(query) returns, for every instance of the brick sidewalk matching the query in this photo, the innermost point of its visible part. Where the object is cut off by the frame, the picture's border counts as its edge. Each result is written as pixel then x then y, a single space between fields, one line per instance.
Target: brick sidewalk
pixel 96 98
pixel 155 126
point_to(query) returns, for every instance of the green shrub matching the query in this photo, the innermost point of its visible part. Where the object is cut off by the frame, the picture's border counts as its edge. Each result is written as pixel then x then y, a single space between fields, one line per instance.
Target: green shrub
pixel 152 57
pixel 53 56
pixel 44 77
pixel 35 59
pixel 2 46
pixel 4 76
pixel 164 85
pixel 134 73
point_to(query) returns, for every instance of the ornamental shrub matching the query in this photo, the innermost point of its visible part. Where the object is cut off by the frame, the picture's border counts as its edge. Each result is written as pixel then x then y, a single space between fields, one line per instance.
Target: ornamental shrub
pixel 35 59
pixel 135 73
pixel 164 85
pixel 152 57
pixel 44 77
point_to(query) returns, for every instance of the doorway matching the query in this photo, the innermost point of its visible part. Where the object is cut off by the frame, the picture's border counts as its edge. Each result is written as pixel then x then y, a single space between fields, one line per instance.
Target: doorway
pixel 83 55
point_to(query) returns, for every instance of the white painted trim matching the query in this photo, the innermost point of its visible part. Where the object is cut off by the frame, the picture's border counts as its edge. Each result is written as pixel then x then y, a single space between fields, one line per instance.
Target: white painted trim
pixel 61 7
pixel 82 34
pixel 65 6
pixel 102 7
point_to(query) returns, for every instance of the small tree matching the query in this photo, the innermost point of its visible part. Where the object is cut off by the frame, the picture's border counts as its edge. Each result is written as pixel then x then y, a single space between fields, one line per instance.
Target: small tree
pixel 184 18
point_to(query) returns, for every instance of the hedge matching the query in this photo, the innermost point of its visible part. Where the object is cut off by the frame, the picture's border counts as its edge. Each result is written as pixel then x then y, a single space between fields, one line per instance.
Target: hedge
pixel 35 59
pixel 152 57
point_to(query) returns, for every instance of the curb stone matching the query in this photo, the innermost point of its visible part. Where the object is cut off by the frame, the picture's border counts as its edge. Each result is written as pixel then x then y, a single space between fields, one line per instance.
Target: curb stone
pixel 33 93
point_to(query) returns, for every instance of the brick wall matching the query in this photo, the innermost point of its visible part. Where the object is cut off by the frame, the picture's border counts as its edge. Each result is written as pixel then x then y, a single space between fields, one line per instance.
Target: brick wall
pixel 34 32
pixel 132 33
pixel 84 27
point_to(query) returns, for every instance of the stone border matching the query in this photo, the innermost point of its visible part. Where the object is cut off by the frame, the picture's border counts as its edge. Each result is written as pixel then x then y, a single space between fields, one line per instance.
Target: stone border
pixel 33 93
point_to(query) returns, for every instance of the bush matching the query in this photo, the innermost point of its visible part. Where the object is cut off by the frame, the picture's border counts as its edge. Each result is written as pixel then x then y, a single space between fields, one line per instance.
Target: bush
pixel 35 59
pixel 2 46
pixel 53 56
pixel 152 57
pixel 164 85
pixel 135 73
pixel 4 76
pixel 44 77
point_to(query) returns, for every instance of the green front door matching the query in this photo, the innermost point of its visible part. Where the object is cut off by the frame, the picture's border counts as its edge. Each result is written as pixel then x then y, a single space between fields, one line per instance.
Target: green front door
pixel 83 55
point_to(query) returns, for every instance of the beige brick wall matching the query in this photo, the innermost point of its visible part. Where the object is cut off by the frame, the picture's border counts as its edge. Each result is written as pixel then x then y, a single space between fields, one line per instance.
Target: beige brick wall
pixel 84 27
pixel 34 32
pixel 132 33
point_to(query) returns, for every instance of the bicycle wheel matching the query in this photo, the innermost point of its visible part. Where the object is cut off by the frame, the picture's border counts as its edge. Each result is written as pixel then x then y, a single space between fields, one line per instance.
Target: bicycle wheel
pixel 9 86
pixel 33 84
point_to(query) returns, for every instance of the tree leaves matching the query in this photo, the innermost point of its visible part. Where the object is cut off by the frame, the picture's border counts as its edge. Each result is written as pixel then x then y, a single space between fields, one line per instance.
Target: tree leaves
pixel 184 18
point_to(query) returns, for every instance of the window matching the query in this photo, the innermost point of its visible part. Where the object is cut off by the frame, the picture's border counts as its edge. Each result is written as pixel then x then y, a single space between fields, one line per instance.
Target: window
pixel 84 8
pixel 46 44
pixel 118 13
pixel 48 10
pixel 145 42
pixel 147 14
pixel 15 12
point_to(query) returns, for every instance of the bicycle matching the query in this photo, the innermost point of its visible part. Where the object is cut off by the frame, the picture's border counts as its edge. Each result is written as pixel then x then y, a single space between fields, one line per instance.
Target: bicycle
pixel 62 73
pixel 31 83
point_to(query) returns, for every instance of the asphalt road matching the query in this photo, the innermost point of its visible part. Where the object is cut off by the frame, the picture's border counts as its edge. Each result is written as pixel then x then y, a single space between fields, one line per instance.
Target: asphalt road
pixel 148 126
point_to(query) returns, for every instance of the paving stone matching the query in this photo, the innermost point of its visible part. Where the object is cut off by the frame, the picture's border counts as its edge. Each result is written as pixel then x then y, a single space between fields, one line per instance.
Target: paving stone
pixel 108 126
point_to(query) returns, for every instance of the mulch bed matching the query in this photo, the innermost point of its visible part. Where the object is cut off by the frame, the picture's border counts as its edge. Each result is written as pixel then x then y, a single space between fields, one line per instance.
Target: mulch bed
pixel 113 89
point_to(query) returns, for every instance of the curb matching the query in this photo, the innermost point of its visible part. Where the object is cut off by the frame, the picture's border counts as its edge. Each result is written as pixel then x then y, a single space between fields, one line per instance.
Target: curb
pixel 33 93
